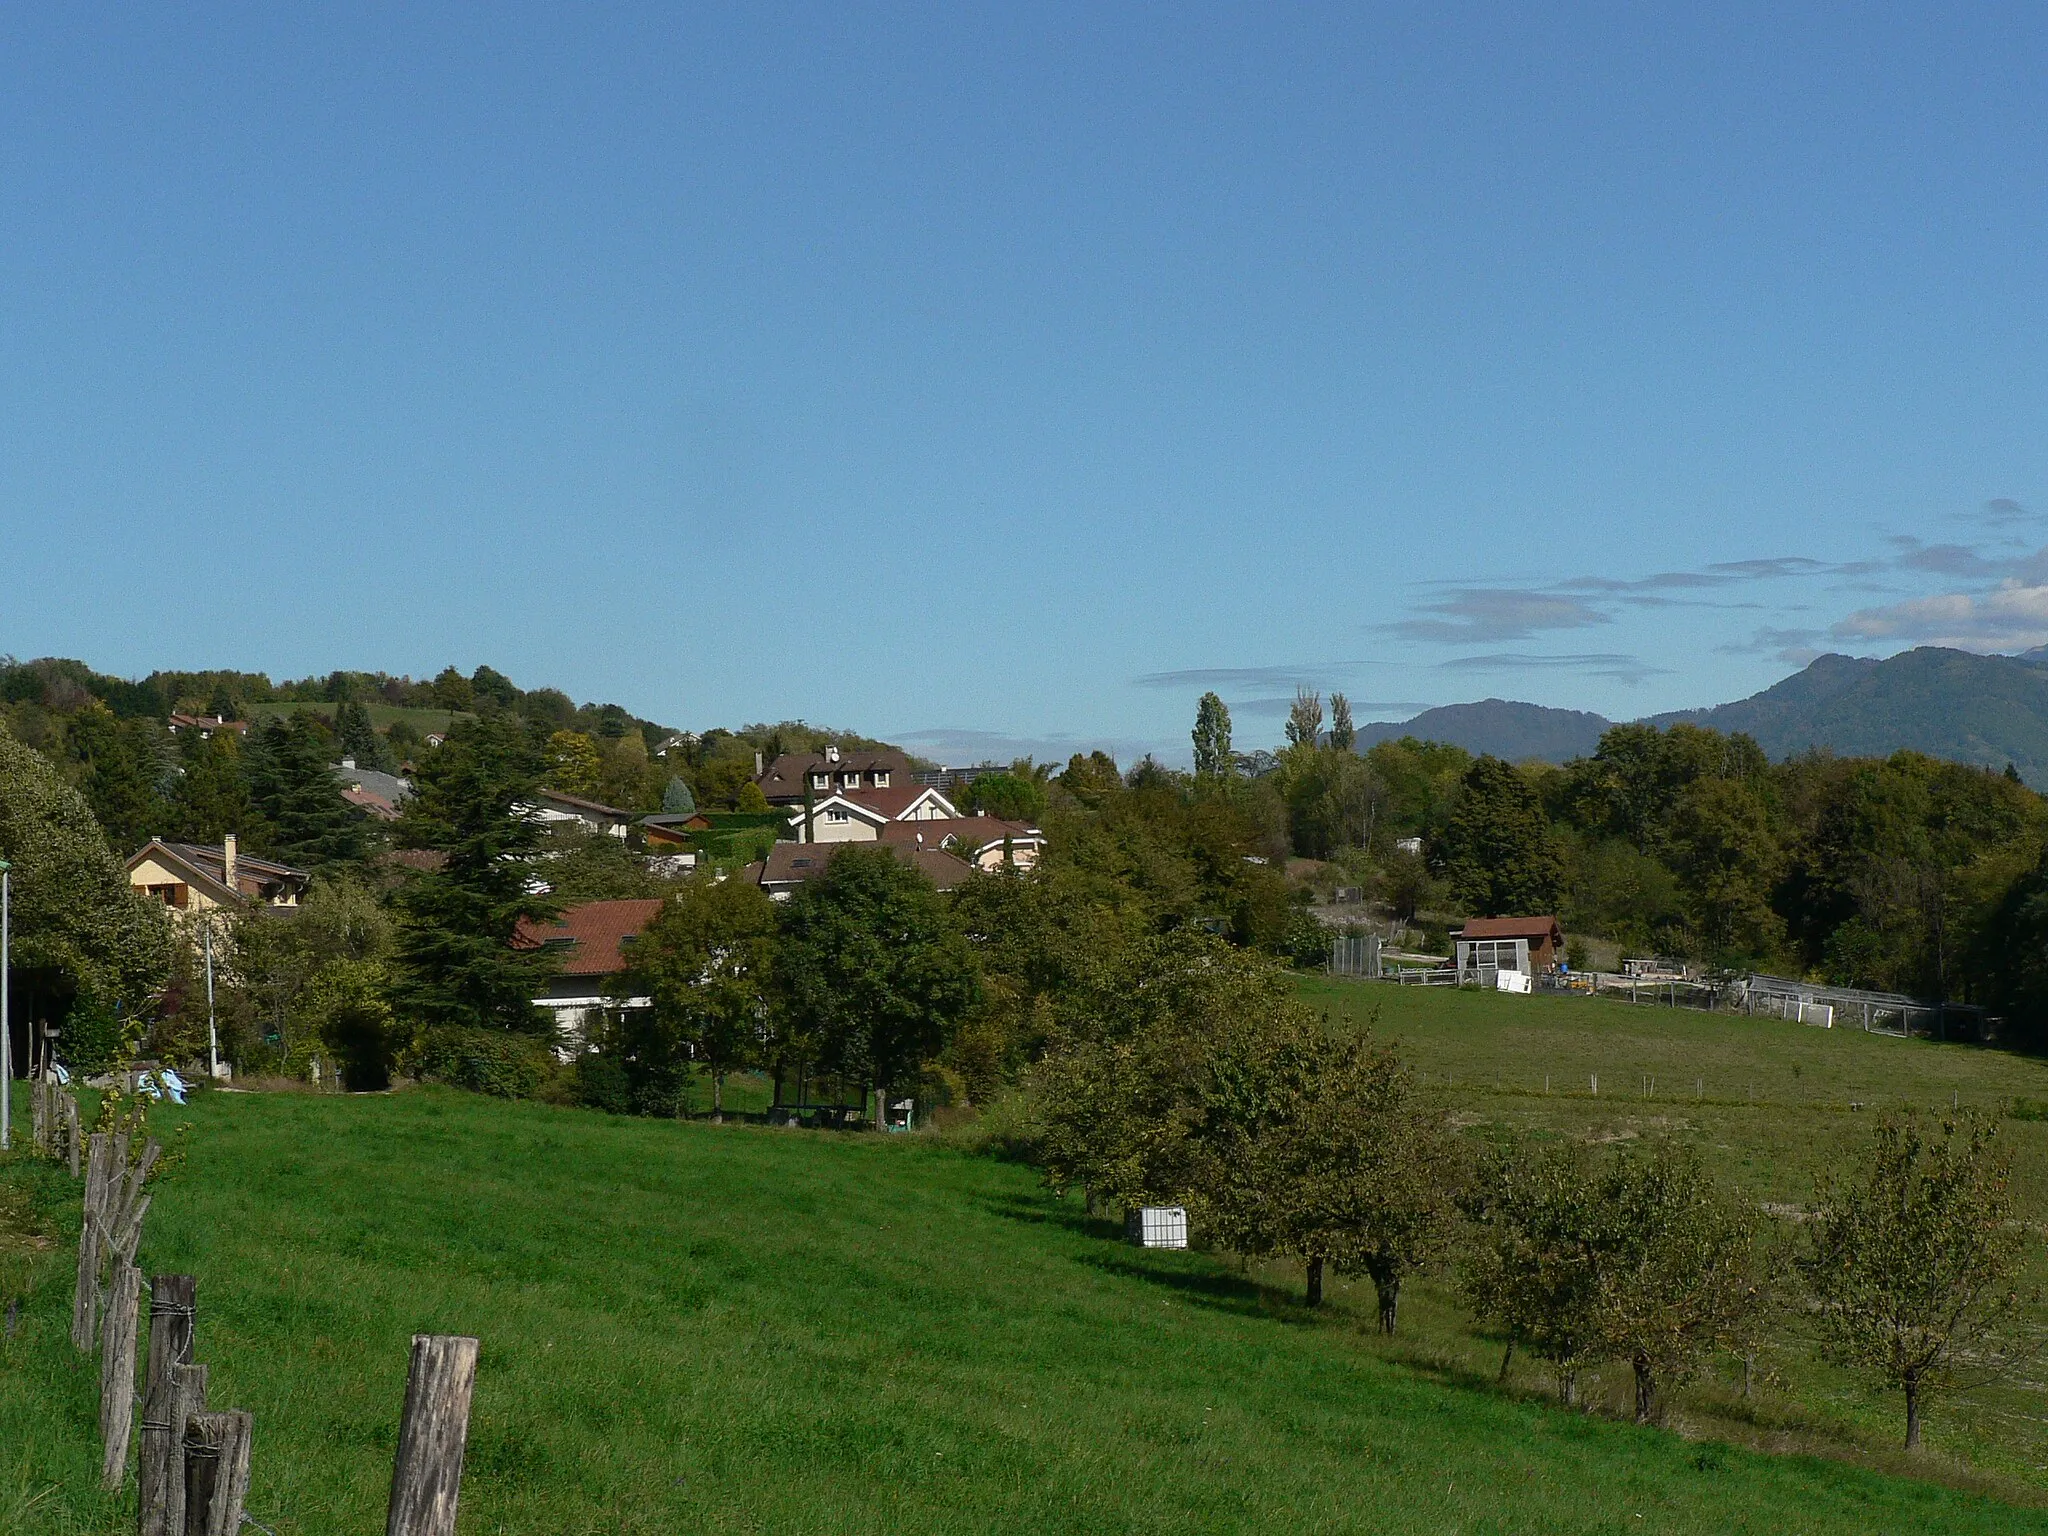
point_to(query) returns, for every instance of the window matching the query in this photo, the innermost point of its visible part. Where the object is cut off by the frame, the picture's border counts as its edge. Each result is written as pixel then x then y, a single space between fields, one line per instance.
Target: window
pixel 821 781
pixel 881 778
pixel 849 781
pixel 835 814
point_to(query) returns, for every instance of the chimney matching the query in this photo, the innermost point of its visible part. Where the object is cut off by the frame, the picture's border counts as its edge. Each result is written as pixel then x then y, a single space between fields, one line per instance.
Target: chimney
pixel 759 767
pixel 349 763
pixel 227 861
pixel 831 754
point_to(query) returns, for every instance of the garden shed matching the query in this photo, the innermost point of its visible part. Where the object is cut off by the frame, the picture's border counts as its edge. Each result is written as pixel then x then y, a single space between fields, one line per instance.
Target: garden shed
pixel 1488 945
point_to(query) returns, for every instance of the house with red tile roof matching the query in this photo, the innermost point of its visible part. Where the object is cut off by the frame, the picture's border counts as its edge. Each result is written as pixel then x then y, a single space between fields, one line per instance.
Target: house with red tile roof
pixel 590 944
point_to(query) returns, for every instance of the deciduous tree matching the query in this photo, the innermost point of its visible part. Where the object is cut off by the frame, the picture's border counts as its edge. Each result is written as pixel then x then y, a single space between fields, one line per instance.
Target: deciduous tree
pixel 1912 1264
pixel 1213 755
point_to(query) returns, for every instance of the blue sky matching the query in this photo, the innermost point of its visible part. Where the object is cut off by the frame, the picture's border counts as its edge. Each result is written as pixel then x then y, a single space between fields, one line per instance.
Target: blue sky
pixel 1001 378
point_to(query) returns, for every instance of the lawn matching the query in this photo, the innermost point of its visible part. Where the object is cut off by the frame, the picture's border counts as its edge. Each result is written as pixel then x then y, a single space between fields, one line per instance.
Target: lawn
pixel 689 1327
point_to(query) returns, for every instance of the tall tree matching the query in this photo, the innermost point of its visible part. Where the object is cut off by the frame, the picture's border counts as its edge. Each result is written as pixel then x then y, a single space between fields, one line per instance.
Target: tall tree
pixel 74 912
pixel 1912 1266
pixel 676 799
pixel 211 798
pixel 872 966
pixel 705 964
pixel 456 964
pixel 1305 718
pixel 358 738
pixel 302 818
pixel 121 775
pixel 1213 756
pixel 1343 734
pixel 1498 851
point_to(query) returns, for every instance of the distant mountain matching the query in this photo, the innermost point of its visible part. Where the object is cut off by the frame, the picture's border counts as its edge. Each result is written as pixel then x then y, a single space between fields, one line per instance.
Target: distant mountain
pixel 1500 726
pixel 1989 710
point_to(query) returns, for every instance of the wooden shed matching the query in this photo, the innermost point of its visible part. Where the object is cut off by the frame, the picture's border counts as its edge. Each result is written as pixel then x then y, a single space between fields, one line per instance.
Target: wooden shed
pixel 1531 945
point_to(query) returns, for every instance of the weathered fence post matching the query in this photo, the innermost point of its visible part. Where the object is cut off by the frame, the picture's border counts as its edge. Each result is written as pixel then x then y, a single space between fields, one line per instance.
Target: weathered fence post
pixel 188 1399
pixel 72 1136
pixel 216 1473
pixel 85 1300
pixel 158 1464
pixel 117 1372
pixel 427 1478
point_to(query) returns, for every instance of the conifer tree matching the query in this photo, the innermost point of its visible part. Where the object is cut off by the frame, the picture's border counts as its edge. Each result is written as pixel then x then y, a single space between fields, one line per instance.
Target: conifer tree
pixel 302 819
pixel 456 964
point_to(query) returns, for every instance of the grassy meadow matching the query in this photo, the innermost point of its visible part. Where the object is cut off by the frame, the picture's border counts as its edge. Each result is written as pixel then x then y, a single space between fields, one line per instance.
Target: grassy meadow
pixel 689 1327
pixel 1770 1106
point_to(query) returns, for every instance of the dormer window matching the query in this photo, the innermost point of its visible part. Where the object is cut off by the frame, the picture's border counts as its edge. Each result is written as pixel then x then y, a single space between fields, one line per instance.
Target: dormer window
pixel 849 781
pixel 881 778
pixel 821 781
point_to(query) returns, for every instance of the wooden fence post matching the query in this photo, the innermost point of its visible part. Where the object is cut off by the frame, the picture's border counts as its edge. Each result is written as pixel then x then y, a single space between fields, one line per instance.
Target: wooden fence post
pixel 72 1137
pixel 427 1478
pixel 159 1467
pixel 117 1372
pixel 216 1473
pixel 188 1399
pixel 85 1300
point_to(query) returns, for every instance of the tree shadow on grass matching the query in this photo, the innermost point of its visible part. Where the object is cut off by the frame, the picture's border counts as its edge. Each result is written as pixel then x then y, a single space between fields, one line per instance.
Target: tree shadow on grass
pixel 1204 1286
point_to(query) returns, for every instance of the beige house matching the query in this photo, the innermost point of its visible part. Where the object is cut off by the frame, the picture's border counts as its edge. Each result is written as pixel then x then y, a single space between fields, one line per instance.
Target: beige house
pixel 986 842
pixel 859 815
pixel 198 877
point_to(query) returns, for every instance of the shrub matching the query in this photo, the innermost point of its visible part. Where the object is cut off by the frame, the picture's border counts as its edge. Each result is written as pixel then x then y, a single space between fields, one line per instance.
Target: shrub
pixel 601 1083
pixel 484 1061
pixel 90 1042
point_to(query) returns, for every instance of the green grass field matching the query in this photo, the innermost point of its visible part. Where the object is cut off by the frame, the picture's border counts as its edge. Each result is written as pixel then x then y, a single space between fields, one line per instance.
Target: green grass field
pixel 688 1327
pixel 1770 1106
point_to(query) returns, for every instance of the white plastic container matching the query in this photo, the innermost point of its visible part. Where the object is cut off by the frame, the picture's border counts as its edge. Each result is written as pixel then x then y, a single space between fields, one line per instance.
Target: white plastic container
pixel 1157 1226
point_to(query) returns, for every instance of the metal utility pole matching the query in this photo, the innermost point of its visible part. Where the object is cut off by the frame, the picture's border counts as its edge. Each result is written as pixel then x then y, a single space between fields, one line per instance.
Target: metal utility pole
pixel 6 1025
pixel 212 1035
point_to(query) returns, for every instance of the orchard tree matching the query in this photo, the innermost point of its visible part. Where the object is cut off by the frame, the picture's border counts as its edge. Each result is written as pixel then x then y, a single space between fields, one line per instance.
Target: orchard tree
pixel 1213 756
pixel 1679 1269
pixel 1912 1266
pixel 871 965
pixel 1533 1270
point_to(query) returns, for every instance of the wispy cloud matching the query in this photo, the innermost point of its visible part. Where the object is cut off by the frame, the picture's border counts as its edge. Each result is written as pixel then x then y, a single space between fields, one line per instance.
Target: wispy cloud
pixel 1477 615
pixel 1238 677
pixel 960 746
pixel 1795 646
pixel 1360 708
pixel 1607 664
pixel 2010 616
pixel 2002 512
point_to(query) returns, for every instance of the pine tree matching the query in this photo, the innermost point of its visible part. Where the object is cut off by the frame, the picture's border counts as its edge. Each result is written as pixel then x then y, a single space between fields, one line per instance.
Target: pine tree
pixel 1213 757
pixel 212 794
pixel 358 737
pixel 676 799
pixel 121 777
pixel 302 819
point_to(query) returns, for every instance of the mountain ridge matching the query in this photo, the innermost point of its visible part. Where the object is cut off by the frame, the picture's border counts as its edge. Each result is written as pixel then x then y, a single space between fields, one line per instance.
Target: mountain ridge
pixel 1985 710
